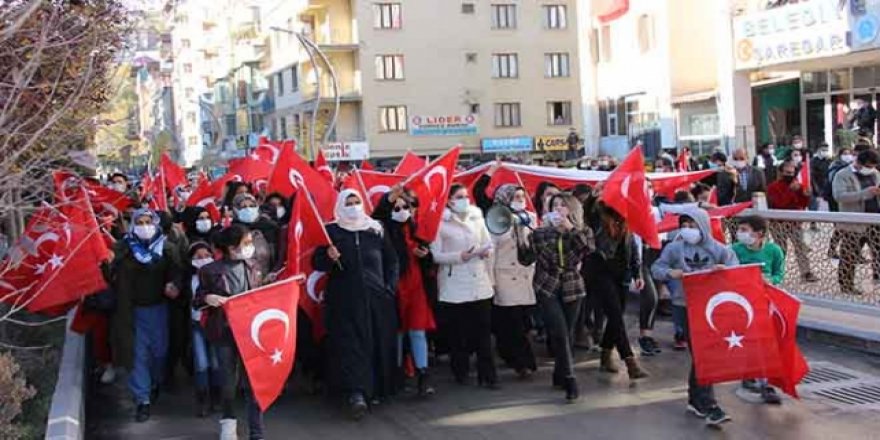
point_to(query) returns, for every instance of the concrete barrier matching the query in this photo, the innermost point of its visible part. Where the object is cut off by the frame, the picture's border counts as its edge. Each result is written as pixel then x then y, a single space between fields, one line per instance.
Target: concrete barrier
pixel 67 412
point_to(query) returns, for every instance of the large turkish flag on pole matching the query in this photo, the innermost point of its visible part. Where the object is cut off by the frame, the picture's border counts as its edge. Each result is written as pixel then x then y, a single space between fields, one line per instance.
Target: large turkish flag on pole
pixel 263 322
pixel 626 190
pixel 431 186
pixel 173 175
pixel 784 310
pixel 732 336
pixel 323 167
pixel 292 173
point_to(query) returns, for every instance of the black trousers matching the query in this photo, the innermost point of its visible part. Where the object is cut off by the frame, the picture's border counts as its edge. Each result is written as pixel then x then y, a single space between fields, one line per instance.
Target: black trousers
pixel 236 378
pixel 510 325
pixel 701 396
pixel 647 301
pixel 468 329
pixel 612 297
pixel 560 318
pixel 851 245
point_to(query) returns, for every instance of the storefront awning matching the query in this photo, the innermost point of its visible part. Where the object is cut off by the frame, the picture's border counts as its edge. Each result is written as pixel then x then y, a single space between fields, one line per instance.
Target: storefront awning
pixel 694 97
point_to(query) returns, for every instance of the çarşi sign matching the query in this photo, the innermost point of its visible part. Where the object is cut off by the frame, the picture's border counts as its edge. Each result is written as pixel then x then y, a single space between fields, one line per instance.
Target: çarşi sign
pixel 507 145
pixel 452 125
pixel 551 143
pixel 337 151
pixel 792 32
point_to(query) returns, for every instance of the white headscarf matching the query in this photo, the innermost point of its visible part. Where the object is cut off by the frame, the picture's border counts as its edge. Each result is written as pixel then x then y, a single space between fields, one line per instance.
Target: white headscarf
pixel 363 223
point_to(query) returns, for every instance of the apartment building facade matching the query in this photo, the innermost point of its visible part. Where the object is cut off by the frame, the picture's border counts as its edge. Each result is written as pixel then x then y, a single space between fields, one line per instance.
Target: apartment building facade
pixel 424 76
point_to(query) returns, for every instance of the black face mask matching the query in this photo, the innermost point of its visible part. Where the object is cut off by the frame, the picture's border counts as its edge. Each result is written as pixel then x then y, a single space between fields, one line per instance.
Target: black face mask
pixel 787 178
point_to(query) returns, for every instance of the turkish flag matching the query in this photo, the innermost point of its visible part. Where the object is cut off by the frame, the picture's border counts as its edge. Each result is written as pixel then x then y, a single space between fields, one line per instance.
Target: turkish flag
pixel 322 167
pixel 410 164
pixel 153 193
pixel 372 185
pixel 253 169
pixel 732 335
pixel 803 176
pixel 626 190
pixel 57 259
pixel 263 322
pixel 366 165
pixel 469 178
pixel 713 196
pixel 305 233
pixel 103 199
pixel 431 186
pixel 267 150
pixel 667 184
pixel 292 173
pixel 784 310
pixel 612 9
pixel 173 175
pixel 530 181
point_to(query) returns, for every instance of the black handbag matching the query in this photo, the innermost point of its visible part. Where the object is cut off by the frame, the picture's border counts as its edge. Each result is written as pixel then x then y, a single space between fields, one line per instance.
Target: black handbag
pixel 103 301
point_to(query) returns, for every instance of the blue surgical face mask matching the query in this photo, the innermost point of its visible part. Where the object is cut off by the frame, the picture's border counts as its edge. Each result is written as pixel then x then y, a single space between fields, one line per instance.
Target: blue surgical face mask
pixel 713 166
pixel 248 215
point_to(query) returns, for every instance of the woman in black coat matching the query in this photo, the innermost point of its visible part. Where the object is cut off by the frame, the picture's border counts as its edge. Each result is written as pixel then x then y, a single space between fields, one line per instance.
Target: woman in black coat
pixel 360 310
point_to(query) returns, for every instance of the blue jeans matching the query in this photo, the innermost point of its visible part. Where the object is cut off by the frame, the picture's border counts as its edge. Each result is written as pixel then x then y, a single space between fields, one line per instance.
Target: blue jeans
pixel 150 351
pixel 700 396
pixel 418 344
pixel 205 362
pixel 679 316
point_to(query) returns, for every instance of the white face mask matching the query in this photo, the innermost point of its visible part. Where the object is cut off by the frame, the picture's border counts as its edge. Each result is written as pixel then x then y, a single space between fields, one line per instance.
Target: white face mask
pixel 771 151
pixel 198 263
pixel 185 195
pixel 401 216
pixel 121 187
pixel 797 159
pixel 280 211
pixel 847 158
pixel 204 225
pixel 246 253
pixel 518 206
pixel 746 238
pixel 865 171
pixel 248 215
pixel 739 164
pixel 460 205
pixel 353 212
pixel 690 235
pixel 145 232
pixel 824 154
pixel 798 146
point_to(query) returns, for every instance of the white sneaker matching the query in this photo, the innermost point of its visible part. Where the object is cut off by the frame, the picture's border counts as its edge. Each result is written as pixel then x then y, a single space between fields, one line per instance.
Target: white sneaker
pixel 109 375
pixel 228 429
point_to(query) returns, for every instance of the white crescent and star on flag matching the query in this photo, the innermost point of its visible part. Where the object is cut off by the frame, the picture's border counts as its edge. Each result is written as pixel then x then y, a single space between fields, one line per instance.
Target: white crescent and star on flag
pixel 436 170
pixel 262 318
pixel 733 340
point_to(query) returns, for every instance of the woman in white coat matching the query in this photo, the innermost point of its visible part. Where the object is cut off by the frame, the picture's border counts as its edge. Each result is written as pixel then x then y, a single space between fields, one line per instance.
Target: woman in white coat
pixel 462 252
pixel 514 294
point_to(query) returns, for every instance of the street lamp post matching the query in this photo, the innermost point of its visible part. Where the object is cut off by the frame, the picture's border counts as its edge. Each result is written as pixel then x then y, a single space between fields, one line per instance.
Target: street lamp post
pixel 311 49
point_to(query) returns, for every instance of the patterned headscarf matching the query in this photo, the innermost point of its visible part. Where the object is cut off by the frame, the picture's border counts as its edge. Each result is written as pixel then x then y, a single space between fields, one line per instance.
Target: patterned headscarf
pixel 504 193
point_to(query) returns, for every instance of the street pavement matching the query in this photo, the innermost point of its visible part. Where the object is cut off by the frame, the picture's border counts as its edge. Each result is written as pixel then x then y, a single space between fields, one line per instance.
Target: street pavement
pixel 610 408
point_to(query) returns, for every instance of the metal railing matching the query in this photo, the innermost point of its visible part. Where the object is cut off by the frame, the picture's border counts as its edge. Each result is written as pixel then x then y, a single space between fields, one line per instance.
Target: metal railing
pixel 829 246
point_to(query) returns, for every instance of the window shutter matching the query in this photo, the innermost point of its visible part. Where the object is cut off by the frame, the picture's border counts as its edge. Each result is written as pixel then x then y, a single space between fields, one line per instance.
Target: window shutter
pixel 621 117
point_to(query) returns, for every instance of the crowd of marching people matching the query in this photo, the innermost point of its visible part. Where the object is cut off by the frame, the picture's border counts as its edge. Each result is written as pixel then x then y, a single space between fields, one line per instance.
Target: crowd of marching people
pixel 556 280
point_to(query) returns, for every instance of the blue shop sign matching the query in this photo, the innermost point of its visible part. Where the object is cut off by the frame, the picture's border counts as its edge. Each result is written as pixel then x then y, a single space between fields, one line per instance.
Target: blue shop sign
pixel 507 145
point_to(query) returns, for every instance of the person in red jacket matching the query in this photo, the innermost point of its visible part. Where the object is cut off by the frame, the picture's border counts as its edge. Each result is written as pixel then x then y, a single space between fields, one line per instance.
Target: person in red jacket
pixel 787 193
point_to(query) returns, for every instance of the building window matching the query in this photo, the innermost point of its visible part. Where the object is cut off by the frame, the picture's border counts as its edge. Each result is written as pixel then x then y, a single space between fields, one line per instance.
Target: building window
pixel 507 115
pixel 283 121
pixel 389 67
pixel 386 15
pixel 294 77
pixel 556 65
pixel 191 117
pixel 646 33
pixel 554 17
pixel 467 8
pixel 559 113
pixel 231 125
pixel 188 92
pixel 279 83
pixel 609 117
pixel 392 118
pixel 505 65
pixel 475 109
pixel 503 16
pixel 187 68
pixel 605 44
pixel 185 43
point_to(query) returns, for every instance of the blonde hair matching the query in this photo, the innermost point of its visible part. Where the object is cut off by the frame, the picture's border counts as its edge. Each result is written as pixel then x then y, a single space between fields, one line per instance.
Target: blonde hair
pixel 575 208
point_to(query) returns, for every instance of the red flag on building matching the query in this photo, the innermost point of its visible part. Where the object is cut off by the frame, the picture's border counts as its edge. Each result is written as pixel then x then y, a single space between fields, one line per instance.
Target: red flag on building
pixel 431 186
pixel 263 322
pixel 57 260
pixel 322 167
pixel 411 163
pixel 292 172
pixel 305 233
pixel 173 175
pixel 626 190
pixel 732 335
pixel 784 310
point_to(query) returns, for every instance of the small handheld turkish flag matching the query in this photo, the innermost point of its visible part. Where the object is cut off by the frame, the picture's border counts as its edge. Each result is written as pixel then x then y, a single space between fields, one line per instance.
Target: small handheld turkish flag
pixel 804 174
pixel 626 190
pixel 411 163
pixel 372 185
pixel 732 336
pixel 292 173
pixel 305 233
pixel 784 310
pixel 431 186
pixel 173 175
pixel 322 167
pixel 263 322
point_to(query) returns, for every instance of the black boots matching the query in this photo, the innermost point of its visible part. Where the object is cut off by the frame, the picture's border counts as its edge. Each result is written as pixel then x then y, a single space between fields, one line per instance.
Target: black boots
pixel 571 390
pixel 425 389
pixel 202 403
pixel 143 413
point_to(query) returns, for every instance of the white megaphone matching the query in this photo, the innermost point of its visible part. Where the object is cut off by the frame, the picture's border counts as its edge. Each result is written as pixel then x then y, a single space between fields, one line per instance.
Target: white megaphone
pixel 499 219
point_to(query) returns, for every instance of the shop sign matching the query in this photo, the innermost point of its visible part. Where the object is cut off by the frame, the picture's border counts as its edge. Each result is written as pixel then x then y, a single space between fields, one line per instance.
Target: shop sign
pixel 789 33
pixel 865 24
pixel 337 151
pixel 551 143
pixel 507 145
pixel 451 125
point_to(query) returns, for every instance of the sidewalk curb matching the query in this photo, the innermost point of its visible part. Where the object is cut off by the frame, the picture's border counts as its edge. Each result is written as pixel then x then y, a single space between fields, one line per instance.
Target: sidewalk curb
pixel 839 335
